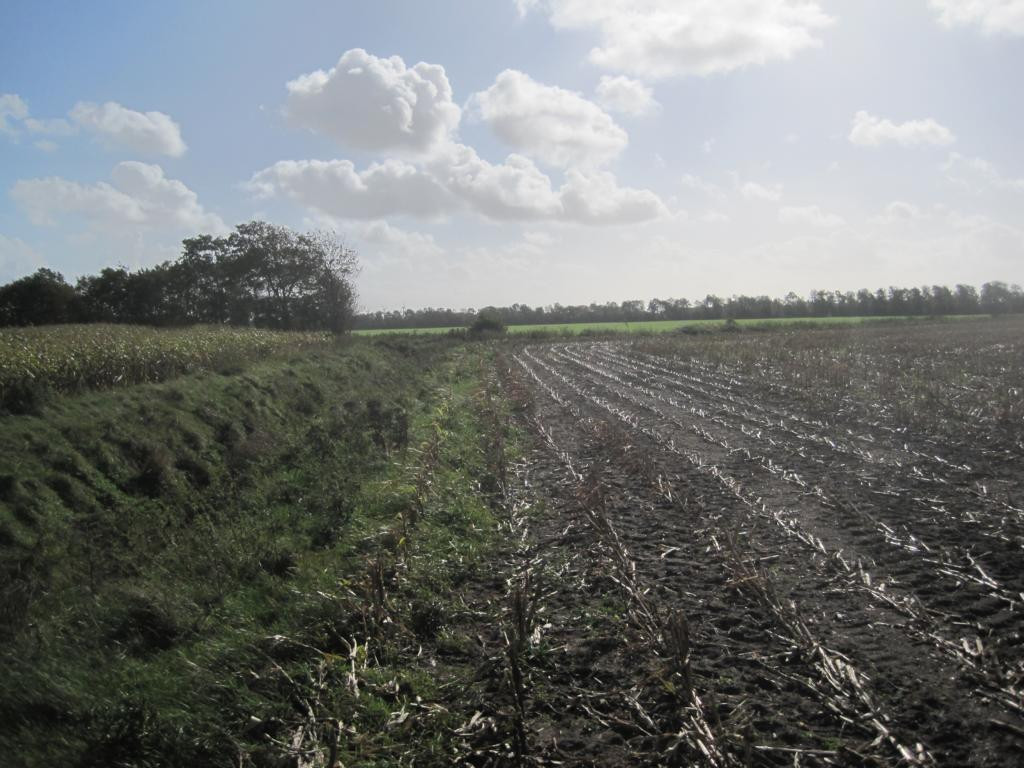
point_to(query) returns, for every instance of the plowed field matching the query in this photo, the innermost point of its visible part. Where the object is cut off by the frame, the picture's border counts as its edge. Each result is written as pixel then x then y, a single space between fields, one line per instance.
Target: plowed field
pixel 804 578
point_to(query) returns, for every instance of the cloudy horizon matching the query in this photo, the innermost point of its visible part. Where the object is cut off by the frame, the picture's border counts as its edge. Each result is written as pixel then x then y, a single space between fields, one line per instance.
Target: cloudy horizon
pixel 530 151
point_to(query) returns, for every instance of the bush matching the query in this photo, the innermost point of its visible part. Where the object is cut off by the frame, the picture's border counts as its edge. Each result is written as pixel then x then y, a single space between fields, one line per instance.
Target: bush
pixel 487 323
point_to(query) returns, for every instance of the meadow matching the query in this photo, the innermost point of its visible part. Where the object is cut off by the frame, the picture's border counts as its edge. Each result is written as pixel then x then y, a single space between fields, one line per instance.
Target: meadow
pixel 664 326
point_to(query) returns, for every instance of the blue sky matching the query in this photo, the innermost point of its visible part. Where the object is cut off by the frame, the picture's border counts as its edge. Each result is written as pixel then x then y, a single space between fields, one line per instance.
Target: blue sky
pixel 544 150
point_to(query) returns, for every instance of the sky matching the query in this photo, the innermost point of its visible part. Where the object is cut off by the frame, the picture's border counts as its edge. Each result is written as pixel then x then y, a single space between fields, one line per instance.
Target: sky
pixel 495 152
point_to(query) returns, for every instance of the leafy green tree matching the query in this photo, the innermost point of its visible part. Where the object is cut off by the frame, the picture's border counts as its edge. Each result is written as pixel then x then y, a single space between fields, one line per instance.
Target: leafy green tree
pixel 40 298
pixel 487 323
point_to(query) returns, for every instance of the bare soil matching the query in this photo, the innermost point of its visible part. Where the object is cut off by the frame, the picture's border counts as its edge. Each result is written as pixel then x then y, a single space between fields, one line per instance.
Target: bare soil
pixel 723 575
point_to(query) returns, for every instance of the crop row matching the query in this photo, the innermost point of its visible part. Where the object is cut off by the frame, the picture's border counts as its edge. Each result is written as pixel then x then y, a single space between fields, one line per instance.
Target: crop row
pixel 998 676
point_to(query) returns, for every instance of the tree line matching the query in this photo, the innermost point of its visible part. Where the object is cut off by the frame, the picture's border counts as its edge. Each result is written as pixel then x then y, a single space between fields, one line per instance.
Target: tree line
pixel 260 275
pixel 993 298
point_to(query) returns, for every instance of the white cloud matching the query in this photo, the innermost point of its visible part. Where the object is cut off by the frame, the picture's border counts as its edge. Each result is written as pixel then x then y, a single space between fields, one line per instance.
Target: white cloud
pixel 809 215
pixel 164 200
pixel 708 146
pixel 17 259
pixel 455 180
pixel 525 6
pixel 667 38
pixel 57 126
pixel 11 106
pixel 335 187
pixel 44 200
pixel 371 103
pixel 871 131
pixel 993 16
pixel 714 217
pixel 515 189
pixel 379 104
pixel 381 233
pixel 625 95
pixel 977 174
pixel 119 127
pixel 596 198
pixel 754 191
pixel 140 196
pixel 557 126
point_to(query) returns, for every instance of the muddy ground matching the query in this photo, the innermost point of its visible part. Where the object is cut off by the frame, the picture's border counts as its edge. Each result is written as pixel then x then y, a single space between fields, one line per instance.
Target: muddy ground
pixel 719 577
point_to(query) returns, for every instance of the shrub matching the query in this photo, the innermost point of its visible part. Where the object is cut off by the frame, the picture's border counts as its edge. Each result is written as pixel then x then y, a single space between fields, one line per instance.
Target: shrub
pixel 487 323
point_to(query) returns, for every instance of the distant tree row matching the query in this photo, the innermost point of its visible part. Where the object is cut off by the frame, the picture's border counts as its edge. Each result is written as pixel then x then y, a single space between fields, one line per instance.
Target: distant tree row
pixel 260 275
pixel 993 298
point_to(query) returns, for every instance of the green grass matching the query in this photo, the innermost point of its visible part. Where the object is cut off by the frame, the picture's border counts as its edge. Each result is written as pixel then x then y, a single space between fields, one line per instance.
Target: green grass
pixel 661 326
pixel 183 564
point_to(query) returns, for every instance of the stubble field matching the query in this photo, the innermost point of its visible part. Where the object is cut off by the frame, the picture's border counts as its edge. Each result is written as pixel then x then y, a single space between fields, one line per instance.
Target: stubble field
pixel 815 539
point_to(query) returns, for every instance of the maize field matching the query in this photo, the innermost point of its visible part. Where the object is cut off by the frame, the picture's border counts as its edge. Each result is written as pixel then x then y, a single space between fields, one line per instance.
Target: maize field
pixel 70 358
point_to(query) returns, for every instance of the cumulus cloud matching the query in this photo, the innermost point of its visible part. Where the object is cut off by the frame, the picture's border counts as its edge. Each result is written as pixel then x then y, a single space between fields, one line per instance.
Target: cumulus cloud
pixel 45 200
pixel 992 16
pixel 809 215
pixel 11 106
pixel 335 187
pixel 557 126
pixel 625 95
pixel 515 189
pixel 871 131
pixel 667 38
pixel 380 104
pixel 139 195
pixel 978 174
pixel 118 127
pixel 754 191
pixel 371 103
pixel 401 241
pixel 454 181
pixel 596 198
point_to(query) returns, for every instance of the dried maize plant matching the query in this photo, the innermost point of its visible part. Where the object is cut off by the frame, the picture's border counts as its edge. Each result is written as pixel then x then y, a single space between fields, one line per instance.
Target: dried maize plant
pixel 375 595
pixel 844 688
pixel 517 640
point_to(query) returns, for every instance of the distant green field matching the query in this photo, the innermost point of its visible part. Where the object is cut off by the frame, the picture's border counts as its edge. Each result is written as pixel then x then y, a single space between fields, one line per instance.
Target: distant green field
pixel 659 326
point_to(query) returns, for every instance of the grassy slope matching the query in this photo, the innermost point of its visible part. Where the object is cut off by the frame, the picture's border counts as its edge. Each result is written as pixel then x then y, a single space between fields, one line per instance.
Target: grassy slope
pixel 659 326
pixel 189 569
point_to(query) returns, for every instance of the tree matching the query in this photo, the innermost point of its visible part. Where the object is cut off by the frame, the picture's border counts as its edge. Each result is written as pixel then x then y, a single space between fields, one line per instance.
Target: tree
pixel 996 298
pixel 40 298
pixel 487 323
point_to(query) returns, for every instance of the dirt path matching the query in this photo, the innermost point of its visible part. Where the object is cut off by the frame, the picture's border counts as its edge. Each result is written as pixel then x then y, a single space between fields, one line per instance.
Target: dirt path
pixel 728 582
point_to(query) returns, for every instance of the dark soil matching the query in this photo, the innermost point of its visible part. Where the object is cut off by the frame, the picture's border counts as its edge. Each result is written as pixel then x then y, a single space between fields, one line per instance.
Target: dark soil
pixel 850 594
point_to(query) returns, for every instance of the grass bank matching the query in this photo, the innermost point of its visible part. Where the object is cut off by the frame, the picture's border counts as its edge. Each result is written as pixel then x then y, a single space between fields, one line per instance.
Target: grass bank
pixel 244 568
